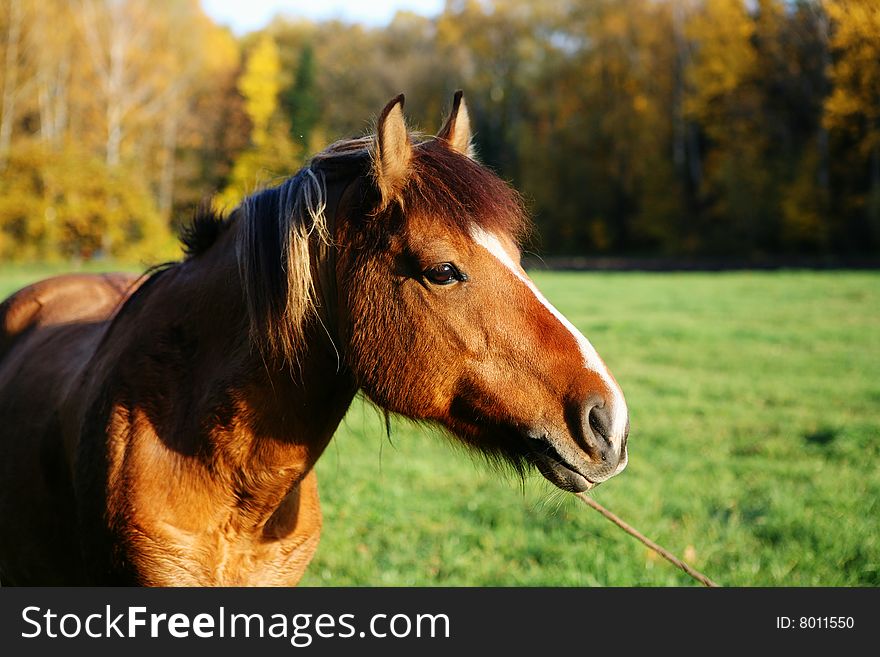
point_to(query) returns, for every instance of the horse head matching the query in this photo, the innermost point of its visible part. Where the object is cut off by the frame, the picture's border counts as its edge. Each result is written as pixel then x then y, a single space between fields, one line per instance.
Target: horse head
pixel 439 322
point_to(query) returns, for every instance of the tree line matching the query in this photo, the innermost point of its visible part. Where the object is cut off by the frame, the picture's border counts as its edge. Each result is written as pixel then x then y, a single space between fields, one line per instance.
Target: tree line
pixel 673 127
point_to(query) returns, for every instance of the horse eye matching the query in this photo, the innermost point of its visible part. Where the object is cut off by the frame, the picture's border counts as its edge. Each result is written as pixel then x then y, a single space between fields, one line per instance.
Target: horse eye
pixel 443 274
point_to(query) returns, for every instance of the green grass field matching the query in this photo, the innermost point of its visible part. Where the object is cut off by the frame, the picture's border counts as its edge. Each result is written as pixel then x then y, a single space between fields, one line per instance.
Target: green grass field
pixel 755 408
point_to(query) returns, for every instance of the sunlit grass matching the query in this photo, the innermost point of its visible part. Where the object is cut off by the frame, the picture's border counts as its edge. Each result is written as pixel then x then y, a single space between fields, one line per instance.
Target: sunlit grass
pixel 754 449
pixel 15 276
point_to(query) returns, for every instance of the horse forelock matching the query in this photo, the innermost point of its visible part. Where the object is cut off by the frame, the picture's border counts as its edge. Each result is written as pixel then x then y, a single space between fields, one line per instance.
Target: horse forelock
pixel 457 190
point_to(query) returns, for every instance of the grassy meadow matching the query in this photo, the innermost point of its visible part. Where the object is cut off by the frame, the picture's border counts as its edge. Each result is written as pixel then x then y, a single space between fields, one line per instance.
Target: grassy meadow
pixel 754 450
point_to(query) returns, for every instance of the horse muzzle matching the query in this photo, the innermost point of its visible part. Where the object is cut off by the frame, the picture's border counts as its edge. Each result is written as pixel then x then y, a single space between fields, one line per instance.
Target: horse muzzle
pixel 579 464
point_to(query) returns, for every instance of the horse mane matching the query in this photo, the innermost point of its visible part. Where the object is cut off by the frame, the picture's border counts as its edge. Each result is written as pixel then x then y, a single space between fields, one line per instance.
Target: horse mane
pixel 205 228
pixel 274 248
pixel 275 258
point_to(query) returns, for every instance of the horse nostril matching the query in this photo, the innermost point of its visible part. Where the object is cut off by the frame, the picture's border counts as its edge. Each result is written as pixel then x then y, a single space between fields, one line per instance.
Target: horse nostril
pixel 600 423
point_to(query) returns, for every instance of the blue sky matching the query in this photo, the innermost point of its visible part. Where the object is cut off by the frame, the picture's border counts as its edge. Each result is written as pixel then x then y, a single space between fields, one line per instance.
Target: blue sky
pixel 248 15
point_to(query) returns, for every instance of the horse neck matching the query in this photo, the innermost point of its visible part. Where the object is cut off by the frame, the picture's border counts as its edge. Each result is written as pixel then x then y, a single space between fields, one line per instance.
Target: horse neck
pixel 190 367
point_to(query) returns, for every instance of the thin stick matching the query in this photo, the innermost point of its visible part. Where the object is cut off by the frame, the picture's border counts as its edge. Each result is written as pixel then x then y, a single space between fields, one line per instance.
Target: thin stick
pixel 632 531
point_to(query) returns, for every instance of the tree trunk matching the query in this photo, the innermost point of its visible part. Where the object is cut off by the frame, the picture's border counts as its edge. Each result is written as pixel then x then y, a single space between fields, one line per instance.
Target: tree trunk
pixel 61 97
pixel 823 176
pixel 169 147
pixel 874 195
pixel 679 147
pixel 115 93
pixel 686 143
pixel 10 80
pixel 53 71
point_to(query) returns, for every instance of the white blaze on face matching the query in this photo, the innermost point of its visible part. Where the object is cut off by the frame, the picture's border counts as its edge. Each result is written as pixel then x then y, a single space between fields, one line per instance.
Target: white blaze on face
pixel 592 361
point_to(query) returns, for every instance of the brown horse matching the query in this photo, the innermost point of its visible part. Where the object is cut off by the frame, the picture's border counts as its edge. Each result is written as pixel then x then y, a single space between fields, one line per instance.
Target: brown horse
pixel 166 432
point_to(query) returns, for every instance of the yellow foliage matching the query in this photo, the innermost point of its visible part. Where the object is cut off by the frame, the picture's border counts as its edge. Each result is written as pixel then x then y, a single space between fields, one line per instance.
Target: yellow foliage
pixel 70 204
pixel 256 168
pixel 641 124
pixel 272 154
pixel 725 55
pixel 260 84
pixel 219 50
pixel 855 73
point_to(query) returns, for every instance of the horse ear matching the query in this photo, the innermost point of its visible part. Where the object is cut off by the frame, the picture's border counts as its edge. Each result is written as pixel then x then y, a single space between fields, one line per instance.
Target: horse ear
pixel 457 129
pixel 392 151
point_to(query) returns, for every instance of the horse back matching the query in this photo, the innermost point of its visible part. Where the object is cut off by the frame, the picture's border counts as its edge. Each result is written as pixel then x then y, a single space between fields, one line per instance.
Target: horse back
pixel 48 333
pixel 61 300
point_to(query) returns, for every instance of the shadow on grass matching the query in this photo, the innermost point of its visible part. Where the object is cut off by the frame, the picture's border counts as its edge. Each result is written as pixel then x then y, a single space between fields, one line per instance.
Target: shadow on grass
pixel 822 436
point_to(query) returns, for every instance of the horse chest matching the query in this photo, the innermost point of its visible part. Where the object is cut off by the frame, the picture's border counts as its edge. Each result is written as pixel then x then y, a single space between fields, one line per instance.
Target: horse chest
pixel 227 552
pixel 224 560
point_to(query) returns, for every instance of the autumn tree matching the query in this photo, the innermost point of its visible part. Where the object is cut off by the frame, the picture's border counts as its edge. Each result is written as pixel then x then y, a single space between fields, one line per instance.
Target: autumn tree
pixel 100 81
pixel 740 127
pixel 271 153
pixel 213 127
pixel 852 110
pixel 794 59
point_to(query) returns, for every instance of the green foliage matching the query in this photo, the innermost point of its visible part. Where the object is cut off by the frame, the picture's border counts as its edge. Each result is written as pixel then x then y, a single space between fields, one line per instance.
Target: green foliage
pixel 300 100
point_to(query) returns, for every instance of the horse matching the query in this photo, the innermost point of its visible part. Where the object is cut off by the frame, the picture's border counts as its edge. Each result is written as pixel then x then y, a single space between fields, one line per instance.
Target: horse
pixel 163 430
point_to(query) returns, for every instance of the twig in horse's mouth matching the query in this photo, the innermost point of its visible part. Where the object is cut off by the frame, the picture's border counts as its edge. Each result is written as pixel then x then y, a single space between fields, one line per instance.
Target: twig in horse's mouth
pixel 632 531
